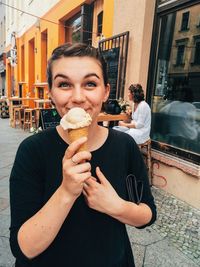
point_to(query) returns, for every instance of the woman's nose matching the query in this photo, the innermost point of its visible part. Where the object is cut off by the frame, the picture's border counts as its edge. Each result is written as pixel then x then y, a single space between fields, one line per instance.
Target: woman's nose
pixel 78 95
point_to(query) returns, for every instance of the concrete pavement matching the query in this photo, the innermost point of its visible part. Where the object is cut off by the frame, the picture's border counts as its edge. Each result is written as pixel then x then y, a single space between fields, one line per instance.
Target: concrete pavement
pixel 173 241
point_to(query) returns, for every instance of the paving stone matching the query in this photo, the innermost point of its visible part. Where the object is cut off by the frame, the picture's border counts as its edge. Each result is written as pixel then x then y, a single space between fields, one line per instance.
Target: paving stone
pixel 6 258
pixel 184 233
pixel 4 225
pixel 4 203
pixel 163 254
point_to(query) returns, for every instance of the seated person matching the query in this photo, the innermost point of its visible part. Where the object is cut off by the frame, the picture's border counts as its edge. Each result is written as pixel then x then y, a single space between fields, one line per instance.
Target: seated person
pixel 140 124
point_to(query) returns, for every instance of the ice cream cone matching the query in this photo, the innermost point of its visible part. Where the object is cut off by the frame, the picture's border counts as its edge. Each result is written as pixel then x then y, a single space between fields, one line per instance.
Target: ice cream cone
pixel 75 134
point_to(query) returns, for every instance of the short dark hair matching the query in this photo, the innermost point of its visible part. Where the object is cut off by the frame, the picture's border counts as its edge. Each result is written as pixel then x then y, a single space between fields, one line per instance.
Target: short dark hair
pixel 75 50
pixel 137 92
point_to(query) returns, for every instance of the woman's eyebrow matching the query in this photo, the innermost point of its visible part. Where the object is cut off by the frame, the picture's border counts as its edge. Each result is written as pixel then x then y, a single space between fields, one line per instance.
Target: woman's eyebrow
pixel 91 74
pixel 60 75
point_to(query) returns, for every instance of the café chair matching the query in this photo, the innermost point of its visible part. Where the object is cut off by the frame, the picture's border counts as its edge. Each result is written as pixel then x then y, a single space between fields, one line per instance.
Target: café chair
pixel 145 148
pixel 29 118
pixel 16 116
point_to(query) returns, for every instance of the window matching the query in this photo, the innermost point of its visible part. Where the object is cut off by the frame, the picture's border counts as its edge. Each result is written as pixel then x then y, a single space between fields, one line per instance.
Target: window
pixel 73 29
pixel 185 20
pixel 197 53
pixel 175 109
pixel 180 55
pixel 99 23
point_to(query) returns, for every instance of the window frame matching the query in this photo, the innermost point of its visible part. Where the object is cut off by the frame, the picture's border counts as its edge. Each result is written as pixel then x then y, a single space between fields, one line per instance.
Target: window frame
pixel 183 26
pixel 160 11
pixel 99 26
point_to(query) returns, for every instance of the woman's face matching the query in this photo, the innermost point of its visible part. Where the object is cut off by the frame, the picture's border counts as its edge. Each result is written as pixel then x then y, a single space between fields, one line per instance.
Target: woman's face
pixel 78 82
pixel 130 95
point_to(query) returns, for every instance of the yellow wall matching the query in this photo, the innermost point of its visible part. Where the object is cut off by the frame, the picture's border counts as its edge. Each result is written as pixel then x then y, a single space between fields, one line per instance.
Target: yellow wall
pixel 108 16
pixel 137 18
pixel 62 11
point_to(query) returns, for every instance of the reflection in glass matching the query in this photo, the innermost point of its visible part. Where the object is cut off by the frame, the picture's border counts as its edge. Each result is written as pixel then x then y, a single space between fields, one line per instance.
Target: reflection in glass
pixel 176 101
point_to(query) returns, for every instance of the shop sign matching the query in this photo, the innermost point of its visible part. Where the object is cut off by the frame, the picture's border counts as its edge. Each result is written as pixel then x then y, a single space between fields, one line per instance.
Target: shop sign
pixel 2 66
pixel 13 51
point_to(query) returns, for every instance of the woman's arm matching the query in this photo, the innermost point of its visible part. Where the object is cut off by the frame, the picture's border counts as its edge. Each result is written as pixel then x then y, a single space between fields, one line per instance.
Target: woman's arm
pixel 38 232
pixel 143 114
pixel 102 197
pixel 127 124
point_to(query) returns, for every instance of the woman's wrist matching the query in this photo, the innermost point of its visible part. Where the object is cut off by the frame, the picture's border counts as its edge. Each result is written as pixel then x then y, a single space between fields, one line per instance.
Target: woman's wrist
pixel 64 196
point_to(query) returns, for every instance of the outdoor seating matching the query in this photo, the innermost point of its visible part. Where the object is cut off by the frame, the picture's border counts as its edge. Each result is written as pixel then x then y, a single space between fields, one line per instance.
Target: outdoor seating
pixel 29 118
pixel 145 148
pixel 16 116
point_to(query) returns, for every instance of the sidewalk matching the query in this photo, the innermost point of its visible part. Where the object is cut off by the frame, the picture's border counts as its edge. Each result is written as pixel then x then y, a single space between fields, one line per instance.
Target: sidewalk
pixel 173 241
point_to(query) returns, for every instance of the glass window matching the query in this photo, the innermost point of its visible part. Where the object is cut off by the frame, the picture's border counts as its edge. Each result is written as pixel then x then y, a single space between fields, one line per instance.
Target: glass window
pixel 180 55
pixel 197 53
pixel 185 20
pixel 176 98
pixel 73 29
pixel 99 23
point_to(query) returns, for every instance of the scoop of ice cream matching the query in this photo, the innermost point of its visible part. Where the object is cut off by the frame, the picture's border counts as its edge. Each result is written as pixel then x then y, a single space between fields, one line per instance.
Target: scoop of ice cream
pixel 75 118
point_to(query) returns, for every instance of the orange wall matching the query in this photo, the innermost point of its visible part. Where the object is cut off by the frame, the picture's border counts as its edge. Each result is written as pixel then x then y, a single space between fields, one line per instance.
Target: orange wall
pixel 62 11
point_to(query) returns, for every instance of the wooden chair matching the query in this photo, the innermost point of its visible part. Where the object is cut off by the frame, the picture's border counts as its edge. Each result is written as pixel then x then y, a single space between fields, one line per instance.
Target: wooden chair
pixel 16 116
pixel 145 148
pixel 29 118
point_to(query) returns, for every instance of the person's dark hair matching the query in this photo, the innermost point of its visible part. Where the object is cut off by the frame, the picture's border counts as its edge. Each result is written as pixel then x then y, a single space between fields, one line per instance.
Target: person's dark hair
pixel 137 92
pixel 75 50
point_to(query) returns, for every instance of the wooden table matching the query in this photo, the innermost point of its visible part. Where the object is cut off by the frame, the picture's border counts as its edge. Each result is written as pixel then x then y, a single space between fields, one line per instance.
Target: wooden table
pixel 20 101
pixel 110 117
pixel 41 103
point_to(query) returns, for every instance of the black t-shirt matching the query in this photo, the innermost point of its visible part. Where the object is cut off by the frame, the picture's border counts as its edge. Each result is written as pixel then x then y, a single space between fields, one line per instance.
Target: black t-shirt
pixel 87 237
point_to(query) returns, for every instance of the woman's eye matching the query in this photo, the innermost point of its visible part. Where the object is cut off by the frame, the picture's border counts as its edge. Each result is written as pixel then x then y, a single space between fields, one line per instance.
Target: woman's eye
pixel 63 84
pixel 91 84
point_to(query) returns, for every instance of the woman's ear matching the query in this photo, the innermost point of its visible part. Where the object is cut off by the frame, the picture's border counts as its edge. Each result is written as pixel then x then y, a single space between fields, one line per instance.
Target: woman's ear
pixel 107 93
pixel 51 98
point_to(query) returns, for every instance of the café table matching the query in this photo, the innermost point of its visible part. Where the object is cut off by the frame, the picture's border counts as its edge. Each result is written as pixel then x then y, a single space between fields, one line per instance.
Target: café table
pixel 18 102
pixel 112 117
pixel 42 103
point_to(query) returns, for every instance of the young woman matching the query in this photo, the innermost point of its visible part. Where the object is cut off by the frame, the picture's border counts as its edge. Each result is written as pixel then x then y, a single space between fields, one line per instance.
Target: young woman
pixel 70 208
pixel 140 125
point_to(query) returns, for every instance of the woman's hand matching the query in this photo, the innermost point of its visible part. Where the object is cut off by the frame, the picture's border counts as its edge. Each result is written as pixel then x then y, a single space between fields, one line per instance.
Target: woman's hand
pixel 122 123
pixel 101 196
pixel 76 169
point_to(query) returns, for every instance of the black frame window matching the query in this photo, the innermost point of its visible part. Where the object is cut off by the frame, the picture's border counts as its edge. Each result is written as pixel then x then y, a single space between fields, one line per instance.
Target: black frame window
pixel 185 21
pixel 180 55
pixel 175 80
pixel 73 29
pixel 197 53
pixel 99 23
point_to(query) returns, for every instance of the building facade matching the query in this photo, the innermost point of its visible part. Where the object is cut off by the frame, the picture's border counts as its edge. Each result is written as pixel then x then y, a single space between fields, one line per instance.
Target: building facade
pixel 157 44
pixel 2 50
pixel 33 33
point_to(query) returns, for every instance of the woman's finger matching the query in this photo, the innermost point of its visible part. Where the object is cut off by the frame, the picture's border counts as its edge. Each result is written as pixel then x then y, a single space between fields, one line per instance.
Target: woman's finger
pixel 80 157
pixel 81 168
pixel 74 147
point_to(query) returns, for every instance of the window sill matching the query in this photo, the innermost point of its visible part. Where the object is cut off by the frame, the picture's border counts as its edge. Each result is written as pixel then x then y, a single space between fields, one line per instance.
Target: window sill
pixel 184 30
pixel 185 166
pixel 179 65
pixel 195 63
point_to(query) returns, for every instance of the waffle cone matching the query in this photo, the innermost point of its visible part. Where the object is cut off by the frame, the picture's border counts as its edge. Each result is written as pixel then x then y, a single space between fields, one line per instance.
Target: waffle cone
pixel 75 134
